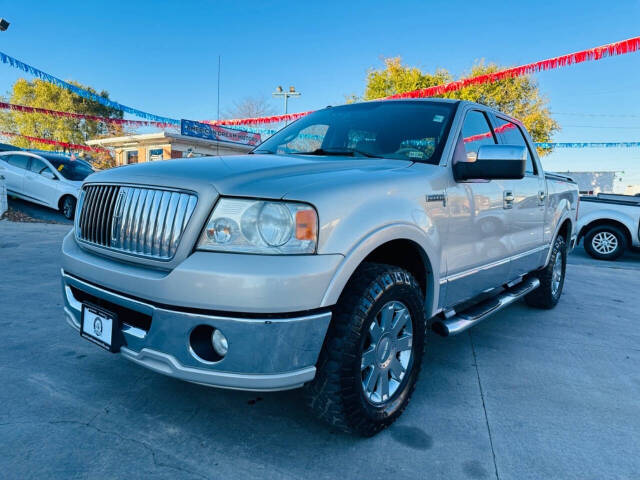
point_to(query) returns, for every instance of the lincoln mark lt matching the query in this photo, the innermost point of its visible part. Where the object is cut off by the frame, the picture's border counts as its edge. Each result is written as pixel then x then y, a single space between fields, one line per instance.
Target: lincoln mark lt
pixel 322 258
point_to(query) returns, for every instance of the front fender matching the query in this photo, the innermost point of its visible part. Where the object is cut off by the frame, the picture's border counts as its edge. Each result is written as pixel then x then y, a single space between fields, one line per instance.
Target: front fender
pixel 387 233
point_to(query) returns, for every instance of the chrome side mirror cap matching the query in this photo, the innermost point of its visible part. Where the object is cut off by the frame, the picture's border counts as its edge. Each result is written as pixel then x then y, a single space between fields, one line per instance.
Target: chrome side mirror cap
pixel 493 162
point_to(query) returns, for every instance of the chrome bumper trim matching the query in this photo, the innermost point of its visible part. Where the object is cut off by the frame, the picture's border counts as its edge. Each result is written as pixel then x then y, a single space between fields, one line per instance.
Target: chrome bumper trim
pixel 168 365
pixel 168 362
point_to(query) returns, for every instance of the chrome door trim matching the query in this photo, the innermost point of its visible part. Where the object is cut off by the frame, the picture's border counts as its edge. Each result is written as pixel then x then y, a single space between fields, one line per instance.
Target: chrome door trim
pixel 488 266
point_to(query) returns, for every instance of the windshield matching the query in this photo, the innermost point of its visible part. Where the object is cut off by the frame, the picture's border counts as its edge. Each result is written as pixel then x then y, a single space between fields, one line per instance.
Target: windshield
pixel 75 170
pixel 405 130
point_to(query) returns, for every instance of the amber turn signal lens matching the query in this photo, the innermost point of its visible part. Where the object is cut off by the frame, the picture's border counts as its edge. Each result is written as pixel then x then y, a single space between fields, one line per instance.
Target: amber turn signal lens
pixel 306 225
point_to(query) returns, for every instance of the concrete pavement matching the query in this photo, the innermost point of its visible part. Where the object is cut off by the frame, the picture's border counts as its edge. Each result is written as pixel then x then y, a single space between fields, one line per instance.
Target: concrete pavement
pixel 527 394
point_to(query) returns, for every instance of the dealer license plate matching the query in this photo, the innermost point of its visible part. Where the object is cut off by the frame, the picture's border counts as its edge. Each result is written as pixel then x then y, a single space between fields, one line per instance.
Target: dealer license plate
pixel 98 326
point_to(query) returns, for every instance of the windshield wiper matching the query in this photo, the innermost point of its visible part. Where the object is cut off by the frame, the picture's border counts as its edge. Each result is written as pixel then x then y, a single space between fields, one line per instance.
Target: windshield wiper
pixel 339 153
pixel 268 152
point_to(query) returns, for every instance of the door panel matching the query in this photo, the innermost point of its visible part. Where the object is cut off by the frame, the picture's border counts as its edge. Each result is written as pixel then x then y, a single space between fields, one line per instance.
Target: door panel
pixel 527 216
pixel 477 246
pixel 39 187
pixel 476 249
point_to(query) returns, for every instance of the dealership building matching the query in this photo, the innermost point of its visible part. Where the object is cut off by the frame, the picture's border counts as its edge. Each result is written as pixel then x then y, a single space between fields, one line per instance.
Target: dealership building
pixel 165 145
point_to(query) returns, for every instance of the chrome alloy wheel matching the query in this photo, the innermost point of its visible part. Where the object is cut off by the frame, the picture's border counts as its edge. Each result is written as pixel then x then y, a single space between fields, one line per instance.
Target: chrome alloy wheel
pixel 556 275
pixel 387 352
pixel 604 242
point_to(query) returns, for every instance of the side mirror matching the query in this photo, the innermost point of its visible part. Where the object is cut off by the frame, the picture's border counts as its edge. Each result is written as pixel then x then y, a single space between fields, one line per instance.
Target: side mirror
pixel 493 162
pixel 48 174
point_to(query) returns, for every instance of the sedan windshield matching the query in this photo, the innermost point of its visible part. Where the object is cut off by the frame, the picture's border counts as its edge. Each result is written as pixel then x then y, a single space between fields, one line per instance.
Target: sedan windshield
pixel 75 170
pixel 405 130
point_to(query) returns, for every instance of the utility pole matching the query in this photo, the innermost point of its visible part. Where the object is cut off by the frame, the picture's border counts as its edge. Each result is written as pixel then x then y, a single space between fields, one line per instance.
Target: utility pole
pixel 281 93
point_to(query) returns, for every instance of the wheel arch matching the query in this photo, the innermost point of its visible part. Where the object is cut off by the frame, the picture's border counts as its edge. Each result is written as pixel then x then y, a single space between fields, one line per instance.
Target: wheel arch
pixel 606 222
pixel 400 245
pixel 565 229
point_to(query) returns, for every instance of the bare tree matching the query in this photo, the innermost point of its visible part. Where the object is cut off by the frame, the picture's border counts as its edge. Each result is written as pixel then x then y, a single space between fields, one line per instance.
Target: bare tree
pixel 250 107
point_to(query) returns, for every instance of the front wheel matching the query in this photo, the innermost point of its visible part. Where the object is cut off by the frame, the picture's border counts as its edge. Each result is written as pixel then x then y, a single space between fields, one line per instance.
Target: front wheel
pixel 68 207
pixel 551 278
pixel 371 358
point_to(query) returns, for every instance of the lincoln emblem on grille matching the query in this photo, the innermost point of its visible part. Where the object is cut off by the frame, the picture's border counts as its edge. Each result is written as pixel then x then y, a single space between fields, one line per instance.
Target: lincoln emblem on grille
pixel 117 214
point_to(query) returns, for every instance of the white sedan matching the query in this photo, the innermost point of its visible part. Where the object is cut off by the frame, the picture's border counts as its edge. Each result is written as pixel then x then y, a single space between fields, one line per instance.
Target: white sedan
pixel 49 179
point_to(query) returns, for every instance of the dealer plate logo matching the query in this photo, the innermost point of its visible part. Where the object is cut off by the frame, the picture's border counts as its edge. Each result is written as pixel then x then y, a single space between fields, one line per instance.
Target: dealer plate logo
pixel 97 327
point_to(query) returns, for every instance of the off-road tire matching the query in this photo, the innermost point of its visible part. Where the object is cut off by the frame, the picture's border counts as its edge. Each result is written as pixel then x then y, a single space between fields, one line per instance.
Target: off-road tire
pixel 336 394
pixel 615 231
pixel 543 296
pixel 68 207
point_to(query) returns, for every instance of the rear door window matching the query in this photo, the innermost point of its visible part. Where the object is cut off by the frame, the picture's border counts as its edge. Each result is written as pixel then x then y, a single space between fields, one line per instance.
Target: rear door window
pixel 20 161
pixel 511 134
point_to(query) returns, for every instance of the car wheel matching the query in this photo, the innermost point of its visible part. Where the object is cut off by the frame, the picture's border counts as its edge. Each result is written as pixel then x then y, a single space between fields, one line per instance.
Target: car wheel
pixel 373 351
pixel 68 208
pixel 605 242
pixel 551 278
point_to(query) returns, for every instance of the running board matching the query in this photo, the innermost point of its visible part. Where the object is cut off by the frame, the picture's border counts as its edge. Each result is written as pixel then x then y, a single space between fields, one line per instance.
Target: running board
pixel 462 321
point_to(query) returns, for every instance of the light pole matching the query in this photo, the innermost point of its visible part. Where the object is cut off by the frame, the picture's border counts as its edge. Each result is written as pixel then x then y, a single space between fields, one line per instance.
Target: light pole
pixel 281 93
pixel 3 25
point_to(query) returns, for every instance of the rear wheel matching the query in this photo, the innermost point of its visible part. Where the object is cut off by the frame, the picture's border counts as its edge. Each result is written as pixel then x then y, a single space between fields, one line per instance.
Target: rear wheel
pixel 373 351
pixel 551 278
pixel 68 207
pixel 605 242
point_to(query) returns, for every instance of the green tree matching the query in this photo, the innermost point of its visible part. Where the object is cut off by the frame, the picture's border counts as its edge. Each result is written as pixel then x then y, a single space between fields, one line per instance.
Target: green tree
pixel 519 97
pixel 41 94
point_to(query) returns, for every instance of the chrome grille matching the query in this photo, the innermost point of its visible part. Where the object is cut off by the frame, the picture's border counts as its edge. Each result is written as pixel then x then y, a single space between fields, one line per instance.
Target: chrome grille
pixel 140 221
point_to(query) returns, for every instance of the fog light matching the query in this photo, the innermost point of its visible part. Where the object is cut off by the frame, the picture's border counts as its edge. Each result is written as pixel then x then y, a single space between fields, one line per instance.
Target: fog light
pixel 220 343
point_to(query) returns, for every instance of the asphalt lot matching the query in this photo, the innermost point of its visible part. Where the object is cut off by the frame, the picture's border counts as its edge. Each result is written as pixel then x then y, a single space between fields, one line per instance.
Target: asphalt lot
pixel 527 394
pixel 37 211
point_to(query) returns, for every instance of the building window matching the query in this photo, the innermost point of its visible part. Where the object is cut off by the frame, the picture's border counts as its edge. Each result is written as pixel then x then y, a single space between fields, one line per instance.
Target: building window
pixel 131 156
pixel 155 154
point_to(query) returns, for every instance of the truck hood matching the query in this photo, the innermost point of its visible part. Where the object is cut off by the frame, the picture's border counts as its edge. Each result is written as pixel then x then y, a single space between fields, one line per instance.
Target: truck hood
pixel 267 176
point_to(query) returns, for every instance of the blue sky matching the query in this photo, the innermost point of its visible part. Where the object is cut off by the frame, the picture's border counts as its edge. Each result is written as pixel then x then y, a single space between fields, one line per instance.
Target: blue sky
pixel 162 56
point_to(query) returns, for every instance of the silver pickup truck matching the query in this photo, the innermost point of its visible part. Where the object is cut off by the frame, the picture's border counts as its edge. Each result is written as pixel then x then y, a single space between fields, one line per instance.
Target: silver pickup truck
pixel 609 224
pixel 322 258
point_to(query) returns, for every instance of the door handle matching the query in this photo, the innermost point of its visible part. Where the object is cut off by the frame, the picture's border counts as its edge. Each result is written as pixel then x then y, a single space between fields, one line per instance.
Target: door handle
pixel 508 199
pixel 541 196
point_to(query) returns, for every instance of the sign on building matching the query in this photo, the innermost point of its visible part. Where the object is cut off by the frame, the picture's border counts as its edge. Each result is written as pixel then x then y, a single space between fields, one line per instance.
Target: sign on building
pixel 195 129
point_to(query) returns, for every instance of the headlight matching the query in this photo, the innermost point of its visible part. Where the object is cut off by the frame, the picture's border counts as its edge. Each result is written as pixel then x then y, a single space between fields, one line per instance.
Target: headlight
pixel 261 226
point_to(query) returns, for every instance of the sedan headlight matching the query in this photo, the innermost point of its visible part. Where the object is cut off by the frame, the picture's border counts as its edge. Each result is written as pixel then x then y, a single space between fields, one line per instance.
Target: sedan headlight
pixel 261 226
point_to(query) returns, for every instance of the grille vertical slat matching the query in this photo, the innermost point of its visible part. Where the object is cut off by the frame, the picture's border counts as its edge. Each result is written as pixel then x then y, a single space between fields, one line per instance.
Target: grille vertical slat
pixel 147 222
pixel 162 215
pixel 104 212
pixel 125 218
pixel 92 215
pixel 176 230
pixel 144 219
pixel 108 218
pixel 152 223
pixel 86 208
pixel 130 220
pixel 168 224
pixel 82 223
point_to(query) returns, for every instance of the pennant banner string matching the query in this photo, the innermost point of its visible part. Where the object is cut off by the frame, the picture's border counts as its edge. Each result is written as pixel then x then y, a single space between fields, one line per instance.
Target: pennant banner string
pixel 81 116
pixel 9 60
pixel 47 141
pixel 619 48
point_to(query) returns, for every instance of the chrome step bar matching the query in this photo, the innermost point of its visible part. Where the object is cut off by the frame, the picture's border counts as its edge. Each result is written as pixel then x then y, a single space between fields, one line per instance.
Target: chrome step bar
pixel 456 324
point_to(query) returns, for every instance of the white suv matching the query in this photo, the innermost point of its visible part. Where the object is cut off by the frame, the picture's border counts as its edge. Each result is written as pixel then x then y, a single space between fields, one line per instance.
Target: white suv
pixel 49 179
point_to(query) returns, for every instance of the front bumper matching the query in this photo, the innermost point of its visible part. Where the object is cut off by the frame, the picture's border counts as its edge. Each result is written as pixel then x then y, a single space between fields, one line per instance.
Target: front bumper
pixel 264 354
